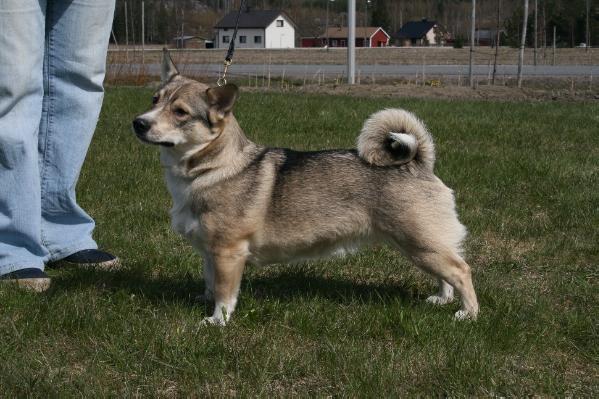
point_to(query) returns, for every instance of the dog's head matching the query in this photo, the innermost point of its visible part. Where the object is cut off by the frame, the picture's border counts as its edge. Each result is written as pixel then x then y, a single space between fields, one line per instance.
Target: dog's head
pixel 185 114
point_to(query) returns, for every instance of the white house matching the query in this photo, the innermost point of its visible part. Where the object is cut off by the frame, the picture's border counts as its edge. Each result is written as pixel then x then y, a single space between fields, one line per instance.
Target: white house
pixel 257 29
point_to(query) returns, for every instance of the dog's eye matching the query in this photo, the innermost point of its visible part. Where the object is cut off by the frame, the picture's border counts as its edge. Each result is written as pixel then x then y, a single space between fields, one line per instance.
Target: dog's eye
pixel 180 112
pixel 155 99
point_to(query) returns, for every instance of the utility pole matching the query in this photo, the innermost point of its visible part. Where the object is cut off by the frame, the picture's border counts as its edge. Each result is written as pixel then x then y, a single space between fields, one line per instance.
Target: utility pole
pixel 522 43
pixel 472 33
pixel 535 34
pixel 351 42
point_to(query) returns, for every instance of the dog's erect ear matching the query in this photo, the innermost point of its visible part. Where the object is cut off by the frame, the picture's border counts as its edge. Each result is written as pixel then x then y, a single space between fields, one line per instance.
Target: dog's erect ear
pixel 221 100
pixel 168 67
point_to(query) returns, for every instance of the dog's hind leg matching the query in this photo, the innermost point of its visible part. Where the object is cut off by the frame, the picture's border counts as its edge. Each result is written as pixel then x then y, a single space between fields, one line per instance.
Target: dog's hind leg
pixel 228 269
pixel 449 266
pixel 444 296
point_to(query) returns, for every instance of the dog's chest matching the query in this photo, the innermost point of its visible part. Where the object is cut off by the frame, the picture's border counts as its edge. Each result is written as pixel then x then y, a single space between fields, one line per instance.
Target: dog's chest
pixel 184 222
pixel 183 219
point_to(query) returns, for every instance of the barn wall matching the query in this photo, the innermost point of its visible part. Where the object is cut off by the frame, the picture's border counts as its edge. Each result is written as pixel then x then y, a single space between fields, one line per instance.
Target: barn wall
pixel 379 36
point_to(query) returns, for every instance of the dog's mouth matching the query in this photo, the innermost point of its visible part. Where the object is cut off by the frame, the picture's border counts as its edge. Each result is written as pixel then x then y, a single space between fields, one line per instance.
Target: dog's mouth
pixel 141 137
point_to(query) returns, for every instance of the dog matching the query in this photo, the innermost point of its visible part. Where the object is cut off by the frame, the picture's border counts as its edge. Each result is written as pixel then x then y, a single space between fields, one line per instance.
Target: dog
pixel 239 203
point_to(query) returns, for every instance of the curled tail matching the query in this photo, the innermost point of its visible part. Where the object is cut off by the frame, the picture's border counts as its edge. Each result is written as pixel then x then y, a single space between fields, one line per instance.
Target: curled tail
pixel 396 137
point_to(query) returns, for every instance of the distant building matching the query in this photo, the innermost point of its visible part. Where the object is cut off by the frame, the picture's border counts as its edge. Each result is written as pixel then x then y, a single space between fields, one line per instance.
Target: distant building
pixel 257 29
pixel 486 36
pixel 189 42
pixel 181 41
pixel 421 33
pixel 371 36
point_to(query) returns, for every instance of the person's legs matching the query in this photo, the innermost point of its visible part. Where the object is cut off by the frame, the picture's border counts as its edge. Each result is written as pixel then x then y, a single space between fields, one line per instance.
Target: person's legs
pixel 21 92
pixel 77 34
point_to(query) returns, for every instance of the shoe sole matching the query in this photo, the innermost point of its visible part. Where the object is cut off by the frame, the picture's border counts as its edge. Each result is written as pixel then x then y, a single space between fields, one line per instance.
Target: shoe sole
pixel 113 264
pixel 30 284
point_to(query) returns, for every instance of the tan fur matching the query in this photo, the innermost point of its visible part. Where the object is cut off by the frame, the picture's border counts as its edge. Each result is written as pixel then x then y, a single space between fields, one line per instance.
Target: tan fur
pixel 238 202
pixel 376 130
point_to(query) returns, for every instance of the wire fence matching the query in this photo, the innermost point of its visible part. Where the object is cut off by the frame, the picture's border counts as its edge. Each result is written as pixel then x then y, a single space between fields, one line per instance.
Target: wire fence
pixel 292 67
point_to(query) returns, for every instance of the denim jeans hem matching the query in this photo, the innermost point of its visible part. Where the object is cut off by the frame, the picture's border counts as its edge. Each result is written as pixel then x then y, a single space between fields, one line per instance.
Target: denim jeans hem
pixel 5 269
pixel 88 243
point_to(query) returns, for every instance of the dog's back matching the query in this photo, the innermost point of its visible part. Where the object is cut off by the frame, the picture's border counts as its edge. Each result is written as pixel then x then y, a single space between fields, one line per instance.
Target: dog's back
pixel 294 205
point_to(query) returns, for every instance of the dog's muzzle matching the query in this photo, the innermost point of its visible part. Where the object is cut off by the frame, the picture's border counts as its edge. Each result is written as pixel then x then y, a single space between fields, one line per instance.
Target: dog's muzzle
pixel 141 126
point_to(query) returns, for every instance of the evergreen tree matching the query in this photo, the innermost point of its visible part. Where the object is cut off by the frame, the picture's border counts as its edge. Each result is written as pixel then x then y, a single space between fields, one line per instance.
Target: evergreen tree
pixel 161 24
pixel 380 14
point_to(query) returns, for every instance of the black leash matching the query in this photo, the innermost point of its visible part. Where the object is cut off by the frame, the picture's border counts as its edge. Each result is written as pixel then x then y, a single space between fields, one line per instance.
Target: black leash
pixel 229 57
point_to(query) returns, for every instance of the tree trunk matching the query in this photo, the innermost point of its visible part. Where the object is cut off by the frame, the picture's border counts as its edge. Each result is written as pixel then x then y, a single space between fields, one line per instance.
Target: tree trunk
pixel 536 31
pixel 497 35
pixel 588 41
pixel 472 37
pixel 522 43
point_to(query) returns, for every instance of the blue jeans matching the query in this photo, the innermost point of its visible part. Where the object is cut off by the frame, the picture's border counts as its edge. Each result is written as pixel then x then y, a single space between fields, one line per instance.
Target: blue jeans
pixel 52 64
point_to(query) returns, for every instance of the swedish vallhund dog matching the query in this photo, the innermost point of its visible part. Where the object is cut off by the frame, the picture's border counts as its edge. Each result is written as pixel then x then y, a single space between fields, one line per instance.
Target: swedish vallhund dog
pixel 238 202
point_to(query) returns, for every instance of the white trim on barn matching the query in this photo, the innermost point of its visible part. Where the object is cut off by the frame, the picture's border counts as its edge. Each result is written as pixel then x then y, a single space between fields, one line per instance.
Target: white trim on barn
pixel 374 33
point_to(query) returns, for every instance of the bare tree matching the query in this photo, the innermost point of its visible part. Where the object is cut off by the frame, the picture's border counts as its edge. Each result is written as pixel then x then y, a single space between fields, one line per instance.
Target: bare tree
pixel 536 31
pixel 497 36
pixel 126 35
pixel 588 41
pixel 522 43
pixel 472 33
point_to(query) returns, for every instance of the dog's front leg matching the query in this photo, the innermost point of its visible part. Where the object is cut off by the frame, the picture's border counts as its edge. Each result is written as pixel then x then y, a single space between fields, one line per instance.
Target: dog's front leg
pixel 228 265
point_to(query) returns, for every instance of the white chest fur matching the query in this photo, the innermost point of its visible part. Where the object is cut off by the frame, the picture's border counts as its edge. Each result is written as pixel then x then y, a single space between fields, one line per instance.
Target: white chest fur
pixel 183 221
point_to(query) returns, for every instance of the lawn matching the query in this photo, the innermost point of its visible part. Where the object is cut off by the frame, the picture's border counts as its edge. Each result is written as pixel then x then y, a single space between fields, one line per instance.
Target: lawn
pixel 526 183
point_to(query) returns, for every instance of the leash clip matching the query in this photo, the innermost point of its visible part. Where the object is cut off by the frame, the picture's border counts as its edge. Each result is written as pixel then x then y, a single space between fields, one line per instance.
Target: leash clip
pixel 223 79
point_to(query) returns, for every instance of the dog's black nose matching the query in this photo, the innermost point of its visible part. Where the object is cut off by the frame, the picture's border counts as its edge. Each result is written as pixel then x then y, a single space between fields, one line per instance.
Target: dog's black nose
pixel 141 126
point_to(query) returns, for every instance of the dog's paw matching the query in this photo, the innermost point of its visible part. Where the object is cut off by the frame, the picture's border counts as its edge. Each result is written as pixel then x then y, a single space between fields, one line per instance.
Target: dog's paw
pixel 439 300
pixel 212 321
pixel 464 315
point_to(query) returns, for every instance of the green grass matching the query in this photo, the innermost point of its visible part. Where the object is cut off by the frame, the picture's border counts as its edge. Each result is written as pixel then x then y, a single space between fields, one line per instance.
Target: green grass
pixel 526 182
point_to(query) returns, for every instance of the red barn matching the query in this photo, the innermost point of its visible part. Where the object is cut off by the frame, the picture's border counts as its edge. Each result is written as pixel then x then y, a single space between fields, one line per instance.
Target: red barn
pixel 371 36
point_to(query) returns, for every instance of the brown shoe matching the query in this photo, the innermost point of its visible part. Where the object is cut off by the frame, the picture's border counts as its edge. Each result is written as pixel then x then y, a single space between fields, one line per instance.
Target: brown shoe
pixel 31 279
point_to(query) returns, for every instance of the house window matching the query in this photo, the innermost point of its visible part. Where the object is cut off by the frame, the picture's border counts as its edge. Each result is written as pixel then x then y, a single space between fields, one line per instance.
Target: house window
pixel 257 39
pixel 225 29
pixel 242 39
pixel 226 39
pixel 279 23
